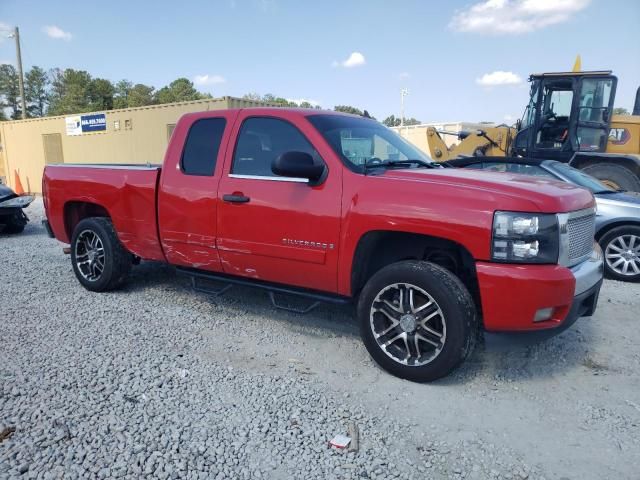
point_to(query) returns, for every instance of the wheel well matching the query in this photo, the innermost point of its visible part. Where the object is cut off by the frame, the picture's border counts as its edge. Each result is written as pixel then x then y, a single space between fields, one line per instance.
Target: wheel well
pixel 378 249
pixel 74 212
pixel 607 228
pixel 582 161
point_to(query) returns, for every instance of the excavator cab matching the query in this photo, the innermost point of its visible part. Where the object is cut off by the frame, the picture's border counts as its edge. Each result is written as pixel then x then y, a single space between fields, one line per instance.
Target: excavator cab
pixel 567 112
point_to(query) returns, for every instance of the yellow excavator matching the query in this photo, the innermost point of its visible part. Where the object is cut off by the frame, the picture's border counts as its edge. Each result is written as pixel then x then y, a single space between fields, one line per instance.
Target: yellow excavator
pixel 569 118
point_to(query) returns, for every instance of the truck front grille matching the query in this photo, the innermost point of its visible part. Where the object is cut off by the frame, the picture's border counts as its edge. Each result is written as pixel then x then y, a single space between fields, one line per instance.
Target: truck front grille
pixel 581 230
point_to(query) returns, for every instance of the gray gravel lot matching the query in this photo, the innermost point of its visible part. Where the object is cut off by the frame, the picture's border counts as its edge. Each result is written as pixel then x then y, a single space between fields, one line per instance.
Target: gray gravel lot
pixel 159 381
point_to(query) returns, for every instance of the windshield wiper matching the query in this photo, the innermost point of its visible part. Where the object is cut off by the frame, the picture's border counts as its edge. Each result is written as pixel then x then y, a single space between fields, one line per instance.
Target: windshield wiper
pixel 401 163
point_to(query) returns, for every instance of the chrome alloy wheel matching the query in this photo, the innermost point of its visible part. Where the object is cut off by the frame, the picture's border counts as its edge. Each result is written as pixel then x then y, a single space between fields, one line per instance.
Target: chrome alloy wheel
pixel 89 255
pixel 408 324
pixel 623 255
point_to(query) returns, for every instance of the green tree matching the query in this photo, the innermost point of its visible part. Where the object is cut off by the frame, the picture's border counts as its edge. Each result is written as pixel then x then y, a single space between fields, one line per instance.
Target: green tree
pixel 72 92
pixel 36 91
pixel 348 109
pixel 121 94
pixel 180 90
pixel 100 92
pixel 393 121
pixel 278 101
pixel 141 95
pixel 9 90
pixel 620 111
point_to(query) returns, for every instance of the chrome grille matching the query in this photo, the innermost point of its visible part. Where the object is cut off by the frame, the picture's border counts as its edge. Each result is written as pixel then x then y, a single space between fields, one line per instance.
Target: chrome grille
pixel 581 230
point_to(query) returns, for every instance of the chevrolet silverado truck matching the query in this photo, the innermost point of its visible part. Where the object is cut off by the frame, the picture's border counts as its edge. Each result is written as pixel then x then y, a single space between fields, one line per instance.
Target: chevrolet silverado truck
pixel 338 208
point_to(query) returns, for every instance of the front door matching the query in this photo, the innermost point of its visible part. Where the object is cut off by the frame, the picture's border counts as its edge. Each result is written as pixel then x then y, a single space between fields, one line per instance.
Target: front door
pixel 594 113
pixel 274 228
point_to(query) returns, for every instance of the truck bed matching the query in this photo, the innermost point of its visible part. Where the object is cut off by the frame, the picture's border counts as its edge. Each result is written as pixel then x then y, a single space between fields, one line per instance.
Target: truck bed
pixel 129 191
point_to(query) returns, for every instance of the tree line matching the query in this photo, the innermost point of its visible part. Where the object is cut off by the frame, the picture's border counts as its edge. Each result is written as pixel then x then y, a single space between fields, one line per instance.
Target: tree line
pixel 69 91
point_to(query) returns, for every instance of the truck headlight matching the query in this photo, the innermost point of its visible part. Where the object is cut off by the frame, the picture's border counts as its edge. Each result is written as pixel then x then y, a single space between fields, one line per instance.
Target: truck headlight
pixel 525 237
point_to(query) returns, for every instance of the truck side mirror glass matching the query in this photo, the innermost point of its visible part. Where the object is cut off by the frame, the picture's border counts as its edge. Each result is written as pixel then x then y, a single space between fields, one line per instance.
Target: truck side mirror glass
pixel 298 165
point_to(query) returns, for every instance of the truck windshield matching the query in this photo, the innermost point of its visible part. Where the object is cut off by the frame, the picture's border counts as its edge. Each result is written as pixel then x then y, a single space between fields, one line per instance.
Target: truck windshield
pixel 362 141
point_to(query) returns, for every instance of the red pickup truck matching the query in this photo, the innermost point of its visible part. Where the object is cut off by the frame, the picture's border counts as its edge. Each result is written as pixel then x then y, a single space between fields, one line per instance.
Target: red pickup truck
pixel 337 207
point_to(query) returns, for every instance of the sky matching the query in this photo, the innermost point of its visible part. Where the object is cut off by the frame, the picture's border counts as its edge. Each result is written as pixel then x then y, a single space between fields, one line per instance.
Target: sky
pixel 459 60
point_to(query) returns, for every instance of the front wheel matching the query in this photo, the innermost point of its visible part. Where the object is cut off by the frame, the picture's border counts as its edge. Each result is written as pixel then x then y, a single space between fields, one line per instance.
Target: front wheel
pixel 417 320
pixel 621 247
pixel 99 260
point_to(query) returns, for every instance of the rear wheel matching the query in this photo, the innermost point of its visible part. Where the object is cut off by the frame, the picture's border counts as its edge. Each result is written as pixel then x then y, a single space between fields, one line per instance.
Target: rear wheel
pixel 621 247
pixel 417 320
pixel 614 176
pixel 99 260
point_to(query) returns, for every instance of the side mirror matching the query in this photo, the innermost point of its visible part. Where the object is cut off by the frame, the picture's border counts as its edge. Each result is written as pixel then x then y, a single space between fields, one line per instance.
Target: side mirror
pixel 298 165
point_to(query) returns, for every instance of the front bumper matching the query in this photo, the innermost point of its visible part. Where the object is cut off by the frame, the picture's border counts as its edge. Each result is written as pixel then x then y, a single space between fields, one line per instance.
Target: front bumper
pixel 511 295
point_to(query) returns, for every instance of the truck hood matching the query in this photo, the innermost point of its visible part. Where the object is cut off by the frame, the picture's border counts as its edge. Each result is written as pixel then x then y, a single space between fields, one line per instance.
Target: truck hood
pixel 548 195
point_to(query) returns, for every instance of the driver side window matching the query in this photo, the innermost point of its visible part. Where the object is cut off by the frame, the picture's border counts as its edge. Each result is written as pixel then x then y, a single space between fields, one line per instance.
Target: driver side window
pixel 261 140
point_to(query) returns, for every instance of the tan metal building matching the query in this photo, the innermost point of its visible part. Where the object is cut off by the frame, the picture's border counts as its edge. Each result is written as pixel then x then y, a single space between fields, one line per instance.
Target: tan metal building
pixel 131 135
pixel 417 134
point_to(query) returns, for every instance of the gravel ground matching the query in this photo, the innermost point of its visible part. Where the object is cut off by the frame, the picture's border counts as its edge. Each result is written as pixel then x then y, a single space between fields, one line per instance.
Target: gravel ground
pixel 157 380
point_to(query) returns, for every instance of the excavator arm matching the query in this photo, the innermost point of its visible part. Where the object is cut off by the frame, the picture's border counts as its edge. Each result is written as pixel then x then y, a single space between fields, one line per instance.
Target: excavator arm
pixel 491 141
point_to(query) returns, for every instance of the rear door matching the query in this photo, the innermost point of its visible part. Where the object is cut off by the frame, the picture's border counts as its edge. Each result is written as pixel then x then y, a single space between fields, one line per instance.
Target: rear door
pixel 188 197
pixel 275 228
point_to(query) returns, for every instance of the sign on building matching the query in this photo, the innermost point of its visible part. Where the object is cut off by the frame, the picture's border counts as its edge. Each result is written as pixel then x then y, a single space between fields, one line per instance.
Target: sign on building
pixel 79 124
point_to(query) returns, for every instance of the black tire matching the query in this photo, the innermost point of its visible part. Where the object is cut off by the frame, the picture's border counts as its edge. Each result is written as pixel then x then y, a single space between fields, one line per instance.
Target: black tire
pixel 457 313
pixel 13 228
pixel 610 245
pixel 15 223
pixel 116 260
pixel 615 176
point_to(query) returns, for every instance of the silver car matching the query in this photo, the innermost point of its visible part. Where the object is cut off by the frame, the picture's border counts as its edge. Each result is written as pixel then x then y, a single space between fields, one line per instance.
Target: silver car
pixel 618 216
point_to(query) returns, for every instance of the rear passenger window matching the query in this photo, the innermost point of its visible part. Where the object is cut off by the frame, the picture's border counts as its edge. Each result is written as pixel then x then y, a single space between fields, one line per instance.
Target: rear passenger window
pixel 261 140
pixel 202 145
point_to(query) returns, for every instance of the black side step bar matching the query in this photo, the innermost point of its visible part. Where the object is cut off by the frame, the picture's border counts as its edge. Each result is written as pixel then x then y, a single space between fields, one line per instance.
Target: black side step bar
pixel 272 288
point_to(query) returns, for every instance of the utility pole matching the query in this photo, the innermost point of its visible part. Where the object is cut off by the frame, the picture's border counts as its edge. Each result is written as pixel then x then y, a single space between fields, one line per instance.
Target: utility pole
pixel 403 93
pixel 16 36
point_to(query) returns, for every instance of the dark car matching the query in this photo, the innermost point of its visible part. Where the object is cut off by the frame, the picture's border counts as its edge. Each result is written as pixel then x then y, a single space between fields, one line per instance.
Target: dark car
pixel 12 218
pixel 617 220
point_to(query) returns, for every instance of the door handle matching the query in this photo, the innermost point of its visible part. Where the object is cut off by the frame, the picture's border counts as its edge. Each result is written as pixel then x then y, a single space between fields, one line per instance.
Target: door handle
pixel 235 198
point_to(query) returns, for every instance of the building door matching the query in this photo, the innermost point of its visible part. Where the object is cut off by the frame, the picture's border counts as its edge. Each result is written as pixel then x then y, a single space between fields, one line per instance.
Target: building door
pixel 52 143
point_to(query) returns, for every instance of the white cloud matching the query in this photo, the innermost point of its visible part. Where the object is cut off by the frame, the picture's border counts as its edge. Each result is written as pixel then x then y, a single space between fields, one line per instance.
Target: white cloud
pixel 514 16
pixel 356 59
pixel 56 32
pixel 499 78
pixel 313 103
pixel 404 76
pixel 208 80
pixel 5 31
